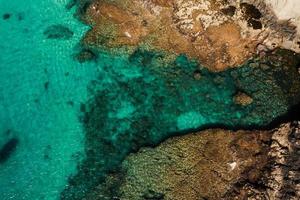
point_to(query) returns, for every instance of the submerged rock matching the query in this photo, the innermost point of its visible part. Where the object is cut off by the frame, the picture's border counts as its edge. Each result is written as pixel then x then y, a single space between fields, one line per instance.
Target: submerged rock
pixel 242 99
pixel 6 16
pixel 85 56
pixel 7 149
pixel 58 32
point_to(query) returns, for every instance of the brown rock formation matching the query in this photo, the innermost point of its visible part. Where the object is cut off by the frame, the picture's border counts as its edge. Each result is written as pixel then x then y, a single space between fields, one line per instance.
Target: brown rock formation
pixel 212 164
pixel 173 26
pixel 196 166
pixel 220 34
pixel 280 179
pixel 242 99
pixel 202 165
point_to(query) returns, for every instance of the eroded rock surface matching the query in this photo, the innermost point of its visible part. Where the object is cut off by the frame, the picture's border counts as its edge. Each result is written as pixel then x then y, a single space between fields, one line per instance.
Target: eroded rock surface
pixel 220 34
pixel 212 164
pixel 280 178
pixel 196 166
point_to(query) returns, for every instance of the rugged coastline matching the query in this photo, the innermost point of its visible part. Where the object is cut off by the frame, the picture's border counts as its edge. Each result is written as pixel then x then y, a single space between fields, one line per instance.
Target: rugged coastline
pixel 247 49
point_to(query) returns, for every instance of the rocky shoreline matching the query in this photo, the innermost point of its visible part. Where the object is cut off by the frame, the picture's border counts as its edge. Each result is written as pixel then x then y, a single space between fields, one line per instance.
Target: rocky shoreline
pixel 245 39
pixel 219 34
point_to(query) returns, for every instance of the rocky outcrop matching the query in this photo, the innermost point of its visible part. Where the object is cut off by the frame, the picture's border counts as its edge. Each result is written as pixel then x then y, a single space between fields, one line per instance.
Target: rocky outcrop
pixel 220 34
pixel 197 166
pixel 280 178
pixel 212 164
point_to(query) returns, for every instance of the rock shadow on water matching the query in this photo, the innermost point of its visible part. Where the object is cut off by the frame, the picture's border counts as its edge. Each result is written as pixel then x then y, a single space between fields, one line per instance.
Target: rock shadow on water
pixel 8 149
pixel 58 32
pixel 6 16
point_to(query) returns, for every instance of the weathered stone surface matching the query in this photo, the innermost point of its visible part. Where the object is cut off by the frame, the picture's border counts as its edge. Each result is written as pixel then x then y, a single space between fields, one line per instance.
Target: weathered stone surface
pixel 280 178
pixel 202 165
pixel 242 99
pixel 220 34
pixel 212 164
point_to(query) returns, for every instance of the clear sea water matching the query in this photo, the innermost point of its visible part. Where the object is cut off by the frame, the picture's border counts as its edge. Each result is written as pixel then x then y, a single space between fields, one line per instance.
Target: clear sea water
pixel 44 120
pixel 80 120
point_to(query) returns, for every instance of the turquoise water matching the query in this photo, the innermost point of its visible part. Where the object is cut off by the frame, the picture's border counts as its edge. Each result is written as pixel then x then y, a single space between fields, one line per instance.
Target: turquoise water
pixel 75 123
pixel 45 121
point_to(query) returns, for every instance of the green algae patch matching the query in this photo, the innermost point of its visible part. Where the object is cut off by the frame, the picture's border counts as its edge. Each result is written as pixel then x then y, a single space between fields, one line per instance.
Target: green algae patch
pixel 136 101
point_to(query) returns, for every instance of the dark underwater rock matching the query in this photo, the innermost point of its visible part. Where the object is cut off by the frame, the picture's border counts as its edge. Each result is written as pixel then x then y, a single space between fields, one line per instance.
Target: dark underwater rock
pixel 85 56
pixel 280 178
pixel 6 16
pixel 71 4
pixel 46 85
pixel 58 32
pixel 7 149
